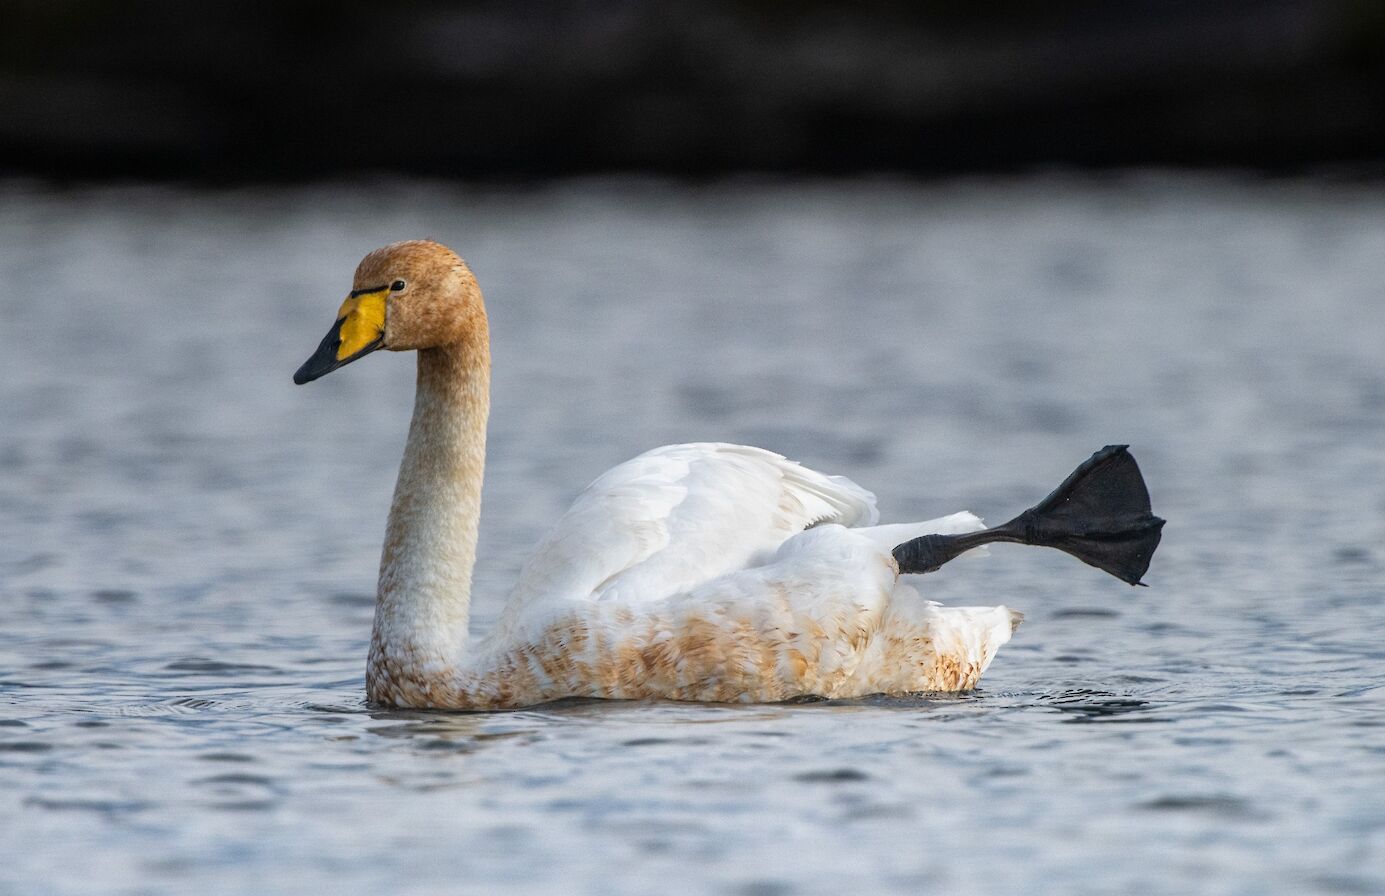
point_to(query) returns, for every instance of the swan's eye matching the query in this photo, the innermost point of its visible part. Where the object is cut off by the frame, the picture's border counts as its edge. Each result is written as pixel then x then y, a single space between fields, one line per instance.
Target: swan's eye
pixel 398 286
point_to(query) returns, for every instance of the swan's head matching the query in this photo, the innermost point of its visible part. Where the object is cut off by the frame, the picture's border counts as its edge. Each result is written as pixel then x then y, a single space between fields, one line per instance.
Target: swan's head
pixel 406 296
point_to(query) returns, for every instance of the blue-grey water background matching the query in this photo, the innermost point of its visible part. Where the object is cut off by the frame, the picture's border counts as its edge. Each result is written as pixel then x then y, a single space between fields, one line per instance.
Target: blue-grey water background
pixel 188 542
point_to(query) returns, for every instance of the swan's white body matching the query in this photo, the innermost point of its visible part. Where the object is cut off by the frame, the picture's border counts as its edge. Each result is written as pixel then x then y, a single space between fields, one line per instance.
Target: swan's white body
pixel 750 577
pixel 693 572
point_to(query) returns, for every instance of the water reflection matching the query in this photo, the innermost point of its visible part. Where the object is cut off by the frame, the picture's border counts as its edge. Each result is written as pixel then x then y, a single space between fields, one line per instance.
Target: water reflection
pixel 1100 706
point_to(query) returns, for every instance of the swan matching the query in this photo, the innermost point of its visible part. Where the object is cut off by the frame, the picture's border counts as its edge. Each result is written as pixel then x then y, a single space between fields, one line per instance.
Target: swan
pixel 700 572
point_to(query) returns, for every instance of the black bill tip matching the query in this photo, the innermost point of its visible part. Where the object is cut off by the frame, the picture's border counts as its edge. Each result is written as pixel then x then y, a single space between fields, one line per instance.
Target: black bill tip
pixel 325 360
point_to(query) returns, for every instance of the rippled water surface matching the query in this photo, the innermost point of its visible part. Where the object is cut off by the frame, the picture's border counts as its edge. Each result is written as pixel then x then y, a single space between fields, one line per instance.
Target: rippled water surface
pixel 188 542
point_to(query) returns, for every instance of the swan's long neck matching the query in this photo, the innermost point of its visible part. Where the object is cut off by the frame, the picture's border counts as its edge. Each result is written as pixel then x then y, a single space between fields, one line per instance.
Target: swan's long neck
pixel 424 597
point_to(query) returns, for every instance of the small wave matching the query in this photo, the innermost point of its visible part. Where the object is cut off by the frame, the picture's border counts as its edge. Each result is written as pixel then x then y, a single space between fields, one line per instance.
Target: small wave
pixel 832 776
pixel 105 807
pixel 202 664
pixel 1215 804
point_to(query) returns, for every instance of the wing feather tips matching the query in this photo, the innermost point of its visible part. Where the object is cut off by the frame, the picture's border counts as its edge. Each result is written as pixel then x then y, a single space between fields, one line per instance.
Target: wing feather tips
pixel 826 498
pixel 856 505
pixel 829 499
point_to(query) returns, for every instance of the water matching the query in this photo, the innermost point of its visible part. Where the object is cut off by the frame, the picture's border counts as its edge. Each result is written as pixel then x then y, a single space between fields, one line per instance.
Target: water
pixel 188 542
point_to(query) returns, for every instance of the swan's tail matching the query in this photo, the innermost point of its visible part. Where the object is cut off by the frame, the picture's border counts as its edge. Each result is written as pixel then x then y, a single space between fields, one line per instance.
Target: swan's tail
pixel 1100 514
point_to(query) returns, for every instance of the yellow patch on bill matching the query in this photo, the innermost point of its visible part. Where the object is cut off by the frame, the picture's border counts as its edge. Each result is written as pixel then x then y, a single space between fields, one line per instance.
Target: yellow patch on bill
pixel 363 322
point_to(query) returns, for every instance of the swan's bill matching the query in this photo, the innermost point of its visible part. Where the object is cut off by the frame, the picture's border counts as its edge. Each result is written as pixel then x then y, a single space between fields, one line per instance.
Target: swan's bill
pixel 359 330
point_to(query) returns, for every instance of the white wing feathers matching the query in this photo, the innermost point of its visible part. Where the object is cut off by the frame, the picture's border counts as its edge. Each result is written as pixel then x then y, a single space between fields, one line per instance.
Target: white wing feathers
pixel 675 517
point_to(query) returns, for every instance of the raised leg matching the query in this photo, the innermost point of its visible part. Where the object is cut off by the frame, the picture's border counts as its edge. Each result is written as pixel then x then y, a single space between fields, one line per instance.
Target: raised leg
pixel 1100 514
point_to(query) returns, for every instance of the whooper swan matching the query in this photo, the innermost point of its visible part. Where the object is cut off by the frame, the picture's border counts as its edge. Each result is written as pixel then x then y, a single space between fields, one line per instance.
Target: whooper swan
pixel 705 572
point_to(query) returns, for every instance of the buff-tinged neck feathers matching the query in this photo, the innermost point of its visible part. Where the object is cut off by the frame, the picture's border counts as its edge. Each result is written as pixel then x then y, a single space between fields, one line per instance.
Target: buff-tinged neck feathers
pixel 424 597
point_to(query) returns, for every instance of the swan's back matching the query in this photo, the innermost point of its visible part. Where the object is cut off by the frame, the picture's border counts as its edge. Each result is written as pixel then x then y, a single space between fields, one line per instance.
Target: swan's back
pixel 678 516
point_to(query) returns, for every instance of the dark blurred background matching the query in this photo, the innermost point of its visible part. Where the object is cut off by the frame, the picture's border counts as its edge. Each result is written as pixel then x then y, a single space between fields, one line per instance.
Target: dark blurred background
pixel 302 88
